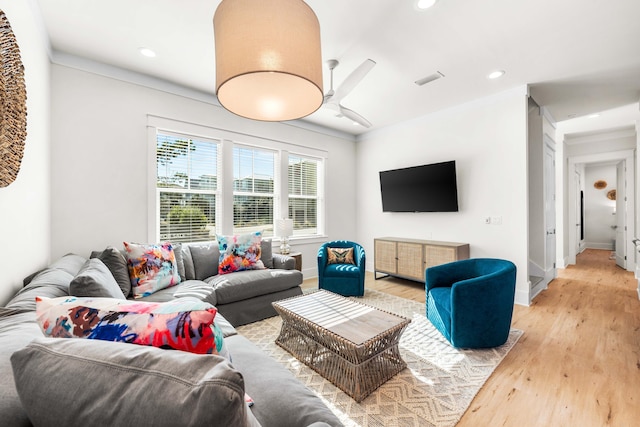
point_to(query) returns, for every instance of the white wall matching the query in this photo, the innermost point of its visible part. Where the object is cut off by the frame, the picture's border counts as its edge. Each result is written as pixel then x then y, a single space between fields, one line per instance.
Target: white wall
pixel 598 208
pixel 100 154
pixel 24 204
pixel 488 141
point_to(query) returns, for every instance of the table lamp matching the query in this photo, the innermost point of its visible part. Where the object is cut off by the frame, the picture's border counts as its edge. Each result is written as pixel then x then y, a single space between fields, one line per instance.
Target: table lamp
pixel 284 229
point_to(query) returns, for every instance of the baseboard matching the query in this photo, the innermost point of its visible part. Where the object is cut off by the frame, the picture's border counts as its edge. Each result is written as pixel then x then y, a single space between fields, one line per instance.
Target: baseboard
pixel 522 297
pixel 599 245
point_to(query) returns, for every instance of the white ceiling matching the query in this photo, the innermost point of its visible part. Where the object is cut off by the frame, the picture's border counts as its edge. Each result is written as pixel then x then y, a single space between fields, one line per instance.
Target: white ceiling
pixel 578 56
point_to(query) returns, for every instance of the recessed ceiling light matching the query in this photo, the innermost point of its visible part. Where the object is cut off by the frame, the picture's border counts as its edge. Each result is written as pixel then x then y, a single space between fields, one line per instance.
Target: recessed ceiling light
pixel 496 74
pixel 593 116
pixel 425 4
pixel 145 51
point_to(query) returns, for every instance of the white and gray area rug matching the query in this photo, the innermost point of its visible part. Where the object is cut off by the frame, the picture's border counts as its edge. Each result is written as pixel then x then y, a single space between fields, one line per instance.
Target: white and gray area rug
pixel 434 390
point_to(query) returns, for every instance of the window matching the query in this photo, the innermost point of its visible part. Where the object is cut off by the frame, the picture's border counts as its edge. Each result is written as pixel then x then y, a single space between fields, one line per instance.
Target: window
pixel 187 187
pixel 303 194
pixel 208 181
pixel 253 190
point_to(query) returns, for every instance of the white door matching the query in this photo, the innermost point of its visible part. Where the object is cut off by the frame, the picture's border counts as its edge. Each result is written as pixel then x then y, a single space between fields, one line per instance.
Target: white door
pixel 621 216
pixel 549 212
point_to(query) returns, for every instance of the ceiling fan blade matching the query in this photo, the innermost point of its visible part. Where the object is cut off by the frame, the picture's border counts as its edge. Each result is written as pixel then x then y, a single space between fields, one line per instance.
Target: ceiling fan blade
pixel 353 79
pixel 352 115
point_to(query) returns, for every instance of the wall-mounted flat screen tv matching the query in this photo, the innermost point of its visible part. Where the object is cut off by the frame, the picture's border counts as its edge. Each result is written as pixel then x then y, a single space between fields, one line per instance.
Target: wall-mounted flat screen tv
pixel 426 188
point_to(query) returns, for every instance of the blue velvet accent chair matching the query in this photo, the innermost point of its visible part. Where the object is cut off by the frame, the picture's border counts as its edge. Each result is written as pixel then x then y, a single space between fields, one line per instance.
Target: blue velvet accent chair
pixel 343 279
pixel 471 301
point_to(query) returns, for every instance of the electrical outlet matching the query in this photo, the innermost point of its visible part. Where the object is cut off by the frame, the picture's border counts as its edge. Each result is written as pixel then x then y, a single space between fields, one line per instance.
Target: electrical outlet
pixel 487 220
pixel 496 220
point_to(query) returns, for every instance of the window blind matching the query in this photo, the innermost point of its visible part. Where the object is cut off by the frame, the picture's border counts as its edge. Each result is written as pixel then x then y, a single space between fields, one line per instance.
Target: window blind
pixel 187 187
pixel 303 194
pixel 253 185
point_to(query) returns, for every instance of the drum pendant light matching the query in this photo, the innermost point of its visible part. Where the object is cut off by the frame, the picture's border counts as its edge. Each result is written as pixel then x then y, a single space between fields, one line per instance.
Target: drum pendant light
pixel 268 59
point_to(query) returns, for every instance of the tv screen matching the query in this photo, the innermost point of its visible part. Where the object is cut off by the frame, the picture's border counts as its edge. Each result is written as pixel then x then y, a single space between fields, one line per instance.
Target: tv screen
pixel 426 188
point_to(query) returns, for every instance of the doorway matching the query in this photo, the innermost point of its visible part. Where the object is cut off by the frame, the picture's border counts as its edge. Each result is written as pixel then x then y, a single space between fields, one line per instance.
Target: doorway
pixel 623 201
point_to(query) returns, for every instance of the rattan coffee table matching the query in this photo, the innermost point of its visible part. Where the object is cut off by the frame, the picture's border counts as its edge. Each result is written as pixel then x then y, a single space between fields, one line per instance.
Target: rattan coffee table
pixel 353 345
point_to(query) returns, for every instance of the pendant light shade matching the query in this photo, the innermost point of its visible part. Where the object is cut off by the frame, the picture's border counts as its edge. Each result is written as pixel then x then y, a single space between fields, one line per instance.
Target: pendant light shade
pixel 268 59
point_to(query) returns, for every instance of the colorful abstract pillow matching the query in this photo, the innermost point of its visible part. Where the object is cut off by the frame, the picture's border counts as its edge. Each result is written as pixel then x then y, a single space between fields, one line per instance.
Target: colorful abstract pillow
pixel 239 253
pixel 340 256
pixel 185 324
pixel 151 267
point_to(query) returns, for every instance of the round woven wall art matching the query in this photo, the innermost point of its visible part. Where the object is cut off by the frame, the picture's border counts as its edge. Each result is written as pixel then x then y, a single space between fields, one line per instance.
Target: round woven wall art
pixel 600 184
pixel 13 105
pixel 611 194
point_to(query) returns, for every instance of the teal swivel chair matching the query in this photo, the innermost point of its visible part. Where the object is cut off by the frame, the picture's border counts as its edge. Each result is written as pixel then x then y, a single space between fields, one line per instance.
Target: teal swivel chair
pixel 343 279
pixel 471 301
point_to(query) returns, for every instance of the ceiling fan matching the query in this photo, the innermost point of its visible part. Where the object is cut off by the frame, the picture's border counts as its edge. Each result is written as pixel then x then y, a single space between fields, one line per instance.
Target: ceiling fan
pixel 332 98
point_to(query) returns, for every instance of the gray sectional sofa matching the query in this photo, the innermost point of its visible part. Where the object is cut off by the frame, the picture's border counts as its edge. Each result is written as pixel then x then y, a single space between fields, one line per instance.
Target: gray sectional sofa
pixel 241 297
pixel 78 382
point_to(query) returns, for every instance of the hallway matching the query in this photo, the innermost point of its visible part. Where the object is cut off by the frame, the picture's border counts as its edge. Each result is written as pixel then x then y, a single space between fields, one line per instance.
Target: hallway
pixel 578 362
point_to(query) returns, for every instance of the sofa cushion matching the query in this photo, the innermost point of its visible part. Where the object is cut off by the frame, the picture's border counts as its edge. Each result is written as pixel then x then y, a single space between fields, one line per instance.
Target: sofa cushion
pixel 70 263
pixel 116 262
pixel 243 285
pixel 205 258
pixel 17 329
pixel 299 406
pixel 151 267
pixel 95 280
pixel 239 253
pixel 115 384
pixel 267 253
pixel 182 324
pixel 51 282
pixel 196 289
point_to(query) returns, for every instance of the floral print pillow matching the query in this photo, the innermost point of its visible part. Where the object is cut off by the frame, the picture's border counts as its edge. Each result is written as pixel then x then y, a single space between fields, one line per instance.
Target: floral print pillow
pixel 185 324
pixel 239 253
pixel 151 267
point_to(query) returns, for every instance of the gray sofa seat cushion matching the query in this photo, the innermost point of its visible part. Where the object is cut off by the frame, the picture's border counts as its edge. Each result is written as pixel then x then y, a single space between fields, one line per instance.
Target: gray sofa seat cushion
pixel 95 280
pixel 190 288
pixel 290 403
pixel 17 329
pixel 163 295
pixel 241 285
pixel 197 289
pixel 118 384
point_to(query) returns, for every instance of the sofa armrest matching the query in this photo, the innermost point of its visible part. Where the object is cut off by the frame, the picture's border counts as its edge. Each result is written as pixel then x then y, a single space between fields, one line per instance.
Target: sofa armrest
pixel 284 262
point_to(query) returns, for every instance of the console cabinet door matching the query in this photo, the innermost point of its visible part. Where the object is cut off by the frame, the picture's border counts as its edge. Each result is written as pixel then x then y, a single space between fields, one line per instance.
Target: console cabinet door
pixel 410 262
pixel 385 256
pixel 436 255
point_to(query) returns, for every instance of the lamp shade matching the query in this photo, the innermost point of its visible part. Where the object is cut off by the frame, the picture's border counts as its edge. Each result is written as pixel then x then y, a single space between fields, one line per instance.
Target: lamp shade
pixel 284 227
pixel 268 59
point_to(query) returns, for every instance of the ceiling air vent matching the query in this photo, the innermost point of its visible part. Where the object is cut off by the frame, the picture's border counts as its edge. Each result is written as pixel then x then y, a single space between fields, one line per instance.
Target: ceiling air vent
pixel 429 78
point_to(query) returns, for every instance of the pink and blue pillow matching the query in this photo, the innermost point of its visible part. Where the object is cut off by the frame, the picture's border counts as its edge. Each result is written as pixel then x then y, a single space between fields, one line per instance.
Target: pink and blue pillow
pixel 185 324
pixel 238 253
pixel 151 267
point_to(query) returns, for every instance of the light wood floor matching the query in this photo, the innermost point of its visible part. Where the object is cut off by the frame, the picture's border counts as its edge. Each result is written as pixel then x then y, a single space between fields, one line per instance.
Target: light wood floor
pixel 578 362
